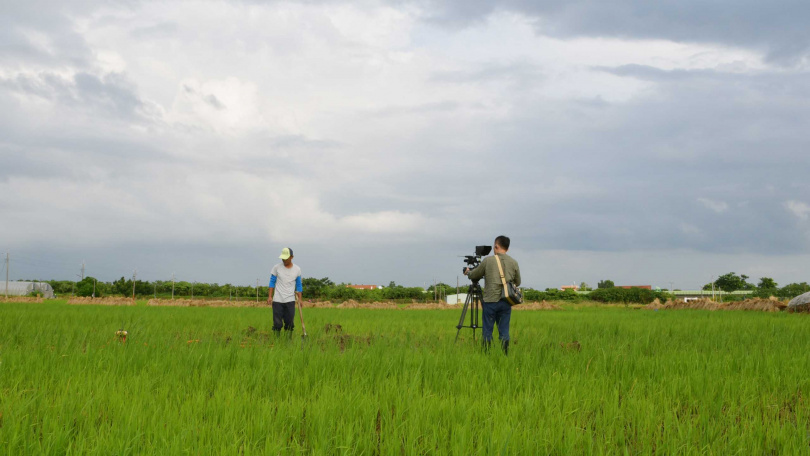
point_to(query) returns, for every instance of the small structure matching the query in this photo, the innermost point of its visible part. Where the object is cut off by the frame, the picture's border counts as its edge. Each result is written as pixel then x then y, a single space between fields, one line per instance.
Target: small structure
pixel 643 287
pixel 569 287
pixel 27 288
pixel 800 303
pixel 456 298
pixel 365 287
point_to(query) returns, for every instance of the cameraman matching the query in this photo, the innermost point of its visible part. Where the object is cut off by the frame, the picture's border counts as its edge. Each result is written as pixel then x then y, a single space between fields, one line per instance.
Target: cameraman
pixel 496 308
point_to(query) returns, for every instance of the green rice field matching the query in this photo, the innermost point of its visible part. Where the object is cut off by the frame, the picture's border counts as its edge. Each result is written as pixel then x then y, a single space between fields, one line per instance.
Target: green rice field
pixel 393 382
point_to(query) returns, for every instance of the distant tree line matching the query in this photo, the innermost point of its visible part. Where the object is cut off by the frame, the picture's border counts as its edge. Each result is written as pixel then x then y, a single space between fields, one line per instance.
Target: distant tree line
pixel 766 287
pixel 326 289
pixel 613 294
pixel 319 289
pixel 158 288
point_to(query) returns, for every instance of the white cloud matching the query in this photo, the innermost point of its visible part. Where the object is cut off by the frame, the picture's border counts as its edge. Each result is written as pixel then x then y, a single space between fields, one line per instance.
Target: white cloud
pixel 228 106
pixel 232 122
pixel 798 208
pixel 385 222
pixel 689 229
pixel 716 206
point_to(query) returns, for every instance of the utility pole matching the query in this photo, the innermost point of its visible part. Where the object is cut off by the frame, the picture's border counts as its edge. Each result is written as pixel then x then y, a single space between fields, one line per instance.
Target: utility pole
pixel 172 285
pixel 82 269
pixel 134 276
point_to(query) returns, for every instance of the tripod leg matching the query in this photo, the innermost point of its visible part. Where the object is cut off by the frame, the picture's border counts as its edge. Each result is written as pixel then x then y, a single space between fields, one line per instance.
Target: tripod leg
pixel 474 316
pixel 477 303
pixel 461 320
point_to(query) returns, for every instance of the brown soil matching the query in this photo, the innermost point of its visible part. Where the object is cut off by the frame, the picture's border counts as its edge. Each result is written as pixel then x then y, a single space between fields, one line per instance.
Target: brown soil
pixel 319 304
pixel 762 305
pixel 534 305
pixel 21 299
pixel 431 306
pixel 352 304
pixel 102 301
pixel 204 303
pixel 332 328
pixel 655 305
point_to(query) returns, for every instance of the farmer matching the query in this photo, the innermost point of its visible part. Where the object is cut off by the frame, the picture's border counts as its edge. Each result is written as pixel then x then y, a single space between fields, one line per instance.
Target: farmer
pixel 285 288
pixel 495 308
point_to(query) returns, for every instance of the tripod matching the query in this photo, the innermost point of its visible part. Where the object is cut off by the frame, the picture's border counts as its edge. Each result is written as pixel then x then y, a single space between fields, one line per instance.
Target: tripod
pixel 475 297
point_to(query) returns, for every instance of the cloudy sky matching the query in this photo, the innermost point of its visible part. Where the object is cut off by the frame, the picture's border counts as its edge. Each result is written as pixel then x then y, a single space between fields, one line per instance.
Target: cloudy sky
pixel 647 143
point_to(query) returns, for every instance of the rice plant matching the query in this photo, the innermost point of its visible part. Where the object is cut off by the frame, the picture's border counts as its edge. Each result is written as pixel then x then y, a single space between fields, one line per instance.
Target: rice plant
pixel 584 380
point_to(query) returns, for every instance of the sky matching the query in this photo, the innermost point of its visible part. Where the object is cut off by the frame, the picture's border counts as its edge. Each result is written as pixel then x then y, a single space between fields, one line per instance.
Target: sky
pixel 661 143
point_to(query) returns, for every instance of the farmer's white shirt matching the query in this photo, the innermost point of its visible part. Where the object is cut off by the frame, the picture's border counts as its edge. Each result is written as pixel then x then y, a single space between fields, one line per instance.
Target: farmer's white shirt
pixel 286 281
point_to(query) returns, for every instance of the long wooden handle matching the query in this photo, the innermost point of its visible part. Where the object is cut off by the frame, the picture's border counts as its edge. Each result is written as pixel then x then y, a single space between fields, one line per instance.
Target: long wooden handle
pixel 301 314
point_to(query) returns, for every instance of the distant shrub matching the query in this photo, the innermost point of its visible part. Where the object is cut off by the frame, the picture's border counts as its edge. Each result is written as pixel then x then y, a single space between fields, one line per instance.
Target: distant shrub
pixel 627 295
pixel 551 294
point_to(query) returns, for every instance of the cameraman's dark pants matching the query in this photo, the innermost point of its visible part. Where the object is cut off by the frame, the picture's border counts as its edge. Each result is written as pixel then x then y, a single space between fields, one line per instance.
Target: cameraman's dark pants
pixel 496 313
pixel 283 316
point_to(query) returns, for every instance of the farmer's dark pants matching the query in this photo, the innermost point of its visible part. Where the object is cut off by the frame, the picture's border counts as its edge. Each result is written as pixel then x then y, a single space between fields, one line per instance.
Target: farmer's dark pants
pixel 496 313
pixel 283 316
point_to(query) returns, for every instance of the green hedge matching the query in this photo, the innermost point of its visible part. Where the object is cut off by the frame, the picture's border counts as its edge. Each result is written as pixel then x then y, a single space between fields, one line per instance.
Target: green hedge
pixel 627 295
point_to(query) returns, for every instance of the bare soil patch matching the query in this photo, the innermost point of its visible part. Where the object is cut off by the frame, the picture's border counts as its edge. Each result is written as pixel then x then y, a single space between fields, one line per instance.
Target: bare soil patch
pixel 534 305
pixel 756 304
pixel 204 303
pixel 102 301
pixel 21 299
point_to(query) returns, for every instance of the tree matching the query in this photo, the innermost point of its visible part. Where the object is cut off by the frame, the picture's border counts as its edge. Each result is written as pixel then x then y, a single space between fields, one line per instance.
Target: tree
pixel 585 287
pixel 87 287
pixel 122 287
pixel 605 284
pixel 443 288
pixel 316 288
pixel 793 290
pixel 732 282
pixel 767 283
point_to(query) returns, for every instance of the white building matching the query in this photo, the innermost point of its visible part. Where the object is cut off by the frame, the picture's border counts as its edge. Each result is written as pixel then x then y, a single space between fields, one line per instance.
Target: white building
pixel 27 288
pixel 456 298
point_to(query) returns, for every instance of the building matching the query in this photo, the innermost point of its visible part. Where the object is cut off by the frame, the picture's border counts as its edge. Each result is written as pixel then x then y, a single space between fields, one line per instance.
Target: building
pixel 569 287
pixel 643 287
pixel 456 298
pixel 26 289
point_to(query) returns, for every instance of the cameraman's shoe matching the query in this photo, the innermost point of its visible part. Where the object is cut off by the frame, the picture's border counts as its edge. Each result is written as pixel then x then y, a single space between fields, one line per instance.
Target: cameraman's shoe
pixel 505 346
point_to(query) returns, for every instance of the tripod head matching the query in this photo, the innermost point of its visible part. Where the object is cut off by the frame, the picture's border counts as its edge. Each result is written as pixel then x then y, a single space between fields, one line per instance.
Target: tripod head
pixel 473 261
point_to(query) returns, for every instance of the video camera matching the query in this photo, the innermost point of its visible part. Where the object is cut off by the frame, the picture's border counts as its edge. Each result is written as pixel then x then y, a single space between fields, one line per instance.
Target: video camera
pixel 473 261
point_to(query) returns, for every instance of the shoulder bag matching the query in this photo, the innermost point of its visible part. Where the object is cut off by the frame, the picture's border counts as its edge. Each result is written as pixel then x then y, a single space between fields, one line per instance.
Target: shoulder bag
pixel 511 292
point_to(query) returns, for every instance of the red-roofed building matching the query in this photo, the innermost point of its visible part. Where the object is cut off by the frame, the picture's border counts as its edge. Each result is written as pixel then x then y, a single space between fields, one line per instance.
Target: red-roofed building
pixel 643 287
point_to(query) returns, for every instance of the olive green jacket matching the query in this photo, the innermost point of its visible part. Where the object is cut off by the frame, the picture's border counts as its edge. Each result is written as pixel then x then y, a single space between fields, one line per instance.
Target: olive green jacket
pixel 488 270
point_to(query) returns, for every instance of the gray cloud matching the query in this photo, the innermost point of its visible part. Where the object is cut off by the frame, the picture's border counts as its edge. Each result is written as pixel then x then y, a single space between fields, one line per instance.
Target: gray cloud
pixel 111 94
pixel 776 28
pixel 698 160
